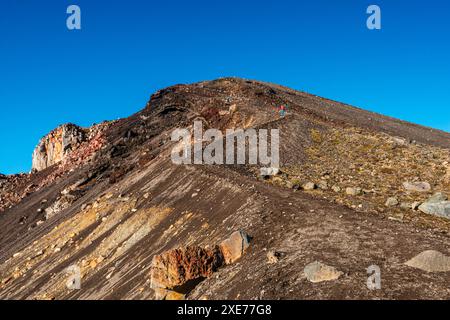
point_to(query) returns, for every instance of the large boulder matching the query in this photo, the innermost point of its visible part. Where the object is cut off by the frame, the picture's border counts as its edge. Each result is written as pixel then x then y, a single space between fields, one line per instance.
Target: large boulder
pixel 441 209
pixel 430 261
pixel 55 146
pixel 437 205
pixel 175 268
pixel 176 272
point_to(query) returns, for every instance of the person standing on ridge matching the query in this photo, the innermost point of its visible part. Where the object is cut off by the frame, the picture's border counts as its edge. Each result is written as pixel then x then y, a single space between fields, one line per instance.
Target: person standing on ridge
pixel 282 111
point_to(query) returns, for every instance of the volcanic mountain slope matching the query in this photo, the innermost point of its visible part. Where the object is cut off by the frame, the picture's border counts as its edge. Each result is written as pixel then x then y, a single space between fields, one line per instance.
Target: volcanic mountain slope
pixel 347 197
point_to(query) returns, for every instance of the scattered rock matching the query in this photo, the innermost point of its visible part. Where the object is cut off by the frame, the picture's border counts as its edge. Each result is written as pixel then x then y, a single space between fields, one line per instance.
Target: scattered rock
pixel 336 188
pixel 398 218
pixel 415 205
pixel 309 186
pixel 353 191
pixel 406 205
pixel 296 186
pixel 438 197
pixel 63 203
pixel 430 261
pixel 323 185
pixel 417 186
pixel 268 172
pixel 273 256
pixel 399 141
pixel 391 202
pixel 318 272
pixel 234 247
pixel 233 108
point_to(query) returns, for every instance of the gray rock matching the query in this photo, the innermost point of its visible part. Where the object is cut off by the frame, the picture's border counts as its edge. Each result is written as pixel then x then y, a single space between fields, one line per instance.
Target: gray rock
pixel 267 172
pixel 430 261
pixel 309 186
pixel 318 272
pixel 437 205
pixel 405 205
pixel 391 202
pixel 417 186
pixel 399 141
pixel 415 205
pixel 441 209
pixel 353 191
pixel 61 204
pixel 336 188
pixel 438 197
pixel 323 185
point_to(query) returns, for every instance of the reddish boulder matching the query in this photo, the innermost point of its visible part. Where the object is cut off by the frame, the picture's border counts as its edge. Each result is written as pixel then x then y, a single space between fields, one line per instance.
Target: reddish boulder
pixel 178 267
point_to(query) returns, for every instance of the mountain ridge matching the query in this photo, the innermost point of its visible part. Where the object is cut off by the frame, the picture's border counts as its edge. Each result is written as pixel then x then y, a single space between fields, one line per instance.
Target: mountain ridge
pixel 116 202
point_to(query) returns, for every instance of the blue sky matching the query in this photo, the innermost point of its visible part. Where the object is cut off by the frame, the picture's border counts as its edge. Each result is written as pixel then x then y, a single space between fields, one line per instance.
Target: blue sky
pixel 128 49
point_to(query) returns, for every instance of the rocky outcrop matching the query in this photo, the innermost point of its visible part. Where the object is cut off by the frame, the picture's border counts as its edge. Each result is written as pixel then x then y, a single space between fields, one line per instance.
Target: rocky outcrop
pixel 179 269
pixel 176 272
pixel 55 146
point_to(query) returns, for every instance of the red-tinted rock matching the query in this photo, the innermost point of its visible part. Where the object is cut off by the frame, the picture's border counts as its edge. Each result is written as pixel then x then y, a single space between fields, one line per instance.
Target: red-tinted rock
pixel 178 267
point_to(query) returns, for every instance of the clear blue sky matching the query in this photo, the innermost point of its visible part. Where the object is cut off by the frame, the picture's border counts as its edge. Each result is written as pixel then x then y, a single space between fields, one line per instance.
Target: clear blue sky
pixel 128 49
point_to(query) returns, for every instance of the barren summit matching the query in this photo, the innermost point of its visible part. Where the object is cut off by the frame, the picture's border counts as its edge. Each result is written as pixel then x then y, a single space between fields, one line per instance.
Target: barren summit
pixel 354 189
